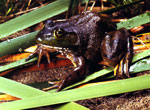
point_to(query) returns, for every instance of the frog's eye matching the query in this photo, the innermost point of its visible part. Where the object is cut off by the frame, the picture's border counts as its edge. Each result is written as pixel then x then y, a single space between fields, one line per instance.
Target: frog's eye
pixel 58 33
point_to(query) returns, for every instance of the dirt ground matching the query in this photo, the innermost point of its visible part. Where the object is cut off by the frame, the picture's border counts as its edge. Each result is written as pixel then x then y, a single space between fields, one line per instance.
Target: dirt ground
pixel 139 100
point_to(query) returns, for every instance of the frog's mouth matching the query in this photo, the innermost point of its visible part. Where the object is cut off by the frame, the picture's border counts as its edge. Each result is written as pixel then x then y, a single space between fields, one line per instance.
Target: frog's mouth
pixel 61 50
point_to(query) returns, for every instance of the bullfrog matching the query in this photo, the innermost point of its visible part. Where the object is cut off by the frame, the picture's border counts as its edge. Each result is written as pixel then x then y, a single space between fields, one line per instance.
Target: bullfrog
pixel 86 39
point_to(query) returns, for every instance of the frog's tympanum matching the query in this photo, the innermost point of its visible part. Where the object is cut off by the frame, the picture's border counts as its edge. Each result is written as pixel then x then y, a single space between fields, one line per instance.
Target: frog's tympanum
pixel 86 40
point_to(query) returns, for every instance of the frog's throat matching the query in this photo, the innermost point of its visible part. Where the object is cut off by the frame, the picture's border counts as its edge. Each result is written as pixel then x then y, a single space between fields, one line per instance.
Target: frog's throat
pixel 63 51
pixel 68 54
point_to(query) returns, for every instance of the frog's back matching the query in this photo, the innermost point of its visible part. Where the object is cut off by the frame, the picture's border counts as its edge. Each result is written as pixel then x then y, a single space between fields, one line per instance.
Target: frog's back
pixel 90 28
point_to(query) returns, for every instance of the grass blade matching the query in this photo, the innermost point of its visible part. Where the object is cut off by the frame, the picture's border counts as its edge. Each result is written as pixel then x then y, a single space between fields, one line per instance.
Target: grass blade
pixel 71 106
pixel 14 45
pixel 141 55
pixel 142 65
pixel 105 89
pixel 18 89
pixel 16 64
pixel 23 91
pixel 131 23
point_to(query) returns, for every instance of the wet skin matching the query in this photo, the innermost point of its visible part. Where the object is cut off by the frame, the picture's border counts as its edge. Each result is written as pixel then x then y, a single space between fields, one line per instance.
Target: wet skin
pixel 86 39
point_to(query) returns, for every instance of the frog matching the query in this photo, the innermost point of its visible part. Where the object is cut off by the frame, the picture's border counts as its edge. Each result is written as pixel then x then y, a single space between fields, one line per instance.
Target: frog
pixel 86 39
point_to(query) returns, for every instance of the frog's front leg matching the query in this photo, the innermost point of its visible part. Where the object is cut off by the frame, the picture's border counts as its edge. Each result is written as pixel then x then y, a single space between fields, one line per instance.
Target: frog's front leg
pixel 41 50
pixel 76 74
pixel 117 51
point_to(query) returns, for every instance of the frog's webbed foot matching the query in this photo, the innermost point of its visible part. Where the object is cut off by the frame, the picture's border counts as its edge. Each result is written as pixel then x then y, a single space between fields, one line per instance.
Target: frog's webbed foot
pixel 121 70
pixel 54 85
pixel 40 51
pixel 59 85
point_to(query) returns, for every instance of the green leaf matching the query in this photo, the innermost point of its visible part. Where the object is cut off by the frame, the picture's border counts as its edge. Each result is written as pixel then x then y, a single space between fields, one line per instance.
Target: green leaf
pixel 18 89
pixel 17 44
pixel 16 64
pixel 141 55
pixel 135 21
pixel 71 106
pixel 142 65
pixel 23 91
pixel 99 90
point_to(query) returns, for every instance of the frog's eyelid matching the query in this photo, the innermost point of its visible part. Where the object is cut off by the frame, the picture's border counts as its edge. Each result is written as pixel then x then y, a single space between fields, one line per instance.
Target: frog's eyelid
pixel 54 34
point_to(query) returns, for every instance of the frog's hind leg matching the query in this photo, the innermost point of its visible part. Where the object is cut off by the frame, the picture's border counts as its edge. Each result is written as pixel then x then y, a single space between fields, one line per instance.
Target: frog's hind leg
pixel 128 56
pixel 121 70
pixel 117 51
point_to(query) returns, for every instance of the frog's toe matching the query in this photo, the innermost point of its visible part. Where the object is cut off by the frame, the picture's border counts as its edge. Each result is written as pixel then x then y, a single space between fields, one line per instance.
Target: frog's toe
pixel 59 85
pixel 31 55
pixel 118 70
pixel 41 51
pixel 121 70
pixel 55 84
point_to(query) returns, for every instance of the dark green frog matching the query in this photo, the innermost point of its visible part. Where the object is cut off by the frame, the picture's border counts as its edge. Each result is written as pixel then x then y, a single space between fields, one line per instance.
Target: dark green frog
pixel 86 39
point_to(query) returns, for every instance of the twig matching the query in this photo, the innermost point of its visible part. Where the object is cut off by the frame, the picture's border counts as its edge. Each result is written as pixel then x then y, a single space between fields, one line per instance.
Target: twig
pixel 25 11
pixel 28 4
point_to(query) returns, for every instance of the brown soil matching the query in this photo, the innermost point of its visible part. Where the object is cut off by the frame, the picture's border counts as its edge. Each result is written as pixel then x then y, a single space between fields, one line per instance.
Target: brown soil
pixel 139 100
